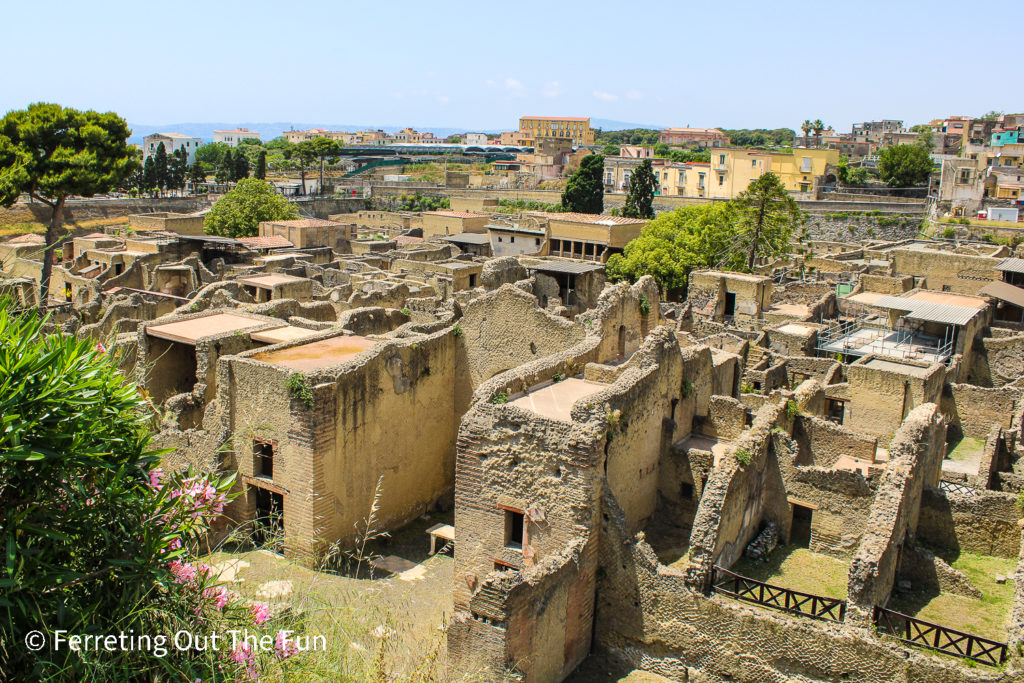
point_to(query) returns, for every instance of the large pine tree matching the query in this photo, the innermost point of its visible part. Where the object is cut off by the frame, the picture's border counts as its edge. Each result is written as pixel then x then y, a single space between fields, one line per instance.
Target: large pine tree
pixel 584 193
pixel 226 170
pixel 162 171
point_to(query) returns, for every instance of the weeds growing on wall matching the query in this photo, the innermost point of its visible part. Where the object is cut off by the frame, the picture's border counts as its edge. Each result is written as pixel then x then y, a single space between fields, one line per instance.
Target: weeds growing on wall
pixel 298 387
pixel 457 330
pixel 499 398
pixel 686 390
pixel 645 305
pixel 743 455
pixel 792 410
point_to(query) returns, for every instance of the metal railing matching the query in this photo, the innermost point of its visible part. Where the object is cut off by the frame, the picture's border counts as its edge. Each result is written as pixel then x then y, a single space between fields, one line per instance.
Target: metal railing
pixel 935 637
pixel 794 602
pixel 955 487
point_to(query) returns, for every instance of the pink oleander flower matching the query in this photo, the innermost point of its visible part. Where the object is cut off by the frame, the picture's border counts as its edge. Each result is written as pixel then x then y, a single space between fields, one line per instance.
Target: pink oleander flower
pixel 155 475
pixel 243 654
pixel 183 571
pixel 260 612
pixel 218 594
pixel 285 646
pixel 100 348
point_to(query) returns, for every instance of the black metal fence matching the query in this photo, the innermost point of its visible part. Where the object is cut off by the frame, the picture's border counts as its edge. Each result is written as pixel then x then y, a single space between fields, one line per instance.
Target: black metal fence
pixel 935 637
pixel 955 487
pixel 794 602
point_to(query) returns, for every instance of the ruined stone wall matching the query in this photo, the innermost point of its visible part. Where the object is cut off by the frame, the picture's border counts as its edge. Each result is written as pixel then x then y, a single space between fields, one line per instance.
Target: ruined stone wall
pixel 916 454
pixel 725 420
pixel 885 284
pixel 738 498
pixel 975 410
pixel 826 370
pixel 649 618
pixel 961 273
pixel 505 328
pixel 997 361
pixel 825 442
pixel 982 522
pixel 877 399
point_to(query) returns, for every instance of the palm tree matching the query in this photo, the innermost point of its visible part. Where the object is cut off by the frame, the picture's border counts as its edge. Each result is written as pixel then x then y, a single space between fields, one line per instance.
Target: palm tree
pixel 806 127
pixel 818 127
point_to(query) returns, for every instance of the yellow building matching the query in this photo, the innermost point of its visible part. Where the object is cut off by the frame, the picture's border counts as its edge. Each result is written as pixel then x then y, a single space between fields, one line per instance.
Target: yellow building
pixel 576 129
pixel 591 237
pixel 732 170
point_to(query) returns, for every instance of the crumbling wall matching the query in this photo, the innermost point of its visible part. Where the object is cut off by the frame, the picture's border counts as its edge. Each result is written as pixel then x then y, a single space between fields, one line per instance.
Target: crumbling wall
pixel 916 454
pixel 505 329
pixel 975 410
pixel 983 522
pixel 738 498
pixel 823 442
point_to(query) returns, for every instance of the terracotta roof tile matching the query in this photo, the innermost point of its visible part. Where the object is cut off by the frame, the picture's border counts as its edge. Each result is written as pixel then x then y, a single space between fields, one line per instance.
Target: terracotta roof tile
pixel 267 242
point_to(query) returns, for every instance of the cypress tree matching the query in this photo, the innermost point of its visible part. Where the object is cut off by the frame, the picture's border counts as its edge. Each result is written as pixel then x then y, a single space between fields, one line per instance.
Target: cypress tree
pixel 261 165
pixel 241 168
pixel 162 172
pixel 640 194
pixel 226 170
pixel 584 193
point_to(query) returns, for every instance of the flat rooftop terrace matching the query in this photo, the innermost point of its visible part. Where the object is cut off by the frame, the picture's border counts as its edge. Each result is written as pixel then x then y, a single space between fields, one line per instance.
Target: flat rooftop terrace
pixel 901 368
pixel 269 281
pixel 190 331
pixel 948 299
pixel 556 400
pixel 281 334
pixel 319 354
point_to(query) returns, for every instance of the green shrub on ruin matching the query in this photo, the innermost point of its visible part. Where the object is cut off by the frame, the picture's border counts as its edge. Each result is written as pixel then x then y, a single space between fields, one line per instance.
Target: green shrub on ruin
pixel 792 410
pixel 298 387
pixel 686 390
pixel 743 456
pixel 499 398
pixel 949 233
pixel 645 305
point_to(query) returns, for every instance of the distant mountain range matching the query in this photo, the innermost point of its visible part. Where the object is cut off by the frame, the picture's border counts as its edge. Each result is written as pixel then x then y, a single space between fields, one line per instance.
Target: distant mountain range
pixel 269 131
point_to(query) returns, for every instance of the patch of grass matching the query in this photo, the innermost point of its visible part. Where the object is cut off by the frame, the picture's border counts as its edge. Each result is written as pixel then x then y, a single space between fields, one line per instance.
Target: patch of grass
pixel 499 398
pixel 986 617
pixel 14 228
pixel 968 448
pixel 743 455
pixel 798 569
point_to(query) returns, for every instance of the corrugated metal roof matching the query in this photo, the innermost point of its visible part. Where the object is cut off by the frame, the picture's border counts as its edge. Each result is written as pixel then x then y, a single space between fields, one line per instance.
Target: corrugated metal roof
pixel 1004 291
pixel 1012 265
pixel 928 311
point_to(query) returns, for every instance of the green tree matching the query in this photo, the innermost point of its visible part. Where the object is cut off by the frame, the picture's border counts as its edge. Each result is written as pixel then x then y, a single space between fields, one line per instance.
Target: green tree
pixel 261 165
pixel 160 167
pixel 766 216
pixel 212 153
pixel 178 169
pixel 239 212
pixel 807 127
pixel 904 165
pixel 920 128
pixel 662 150
pixel 303 154
pixel 240 166
pixel 640 193
pixel 226 170
pixel 926 139
pixel 991 115
pixel 676 242
pixel 323 148
pixel 196 175
pixel 858 176
pixel 818 127
pixel 280 143
pixel 149 174
pixel 611 150
pixel 51 152
pixel 584 192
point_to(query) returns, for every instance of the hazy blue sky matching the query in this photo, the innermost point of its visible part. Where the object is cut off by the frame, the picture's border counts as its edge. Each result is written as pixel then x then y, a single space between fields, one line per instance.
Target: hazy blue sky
pixel 483 64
